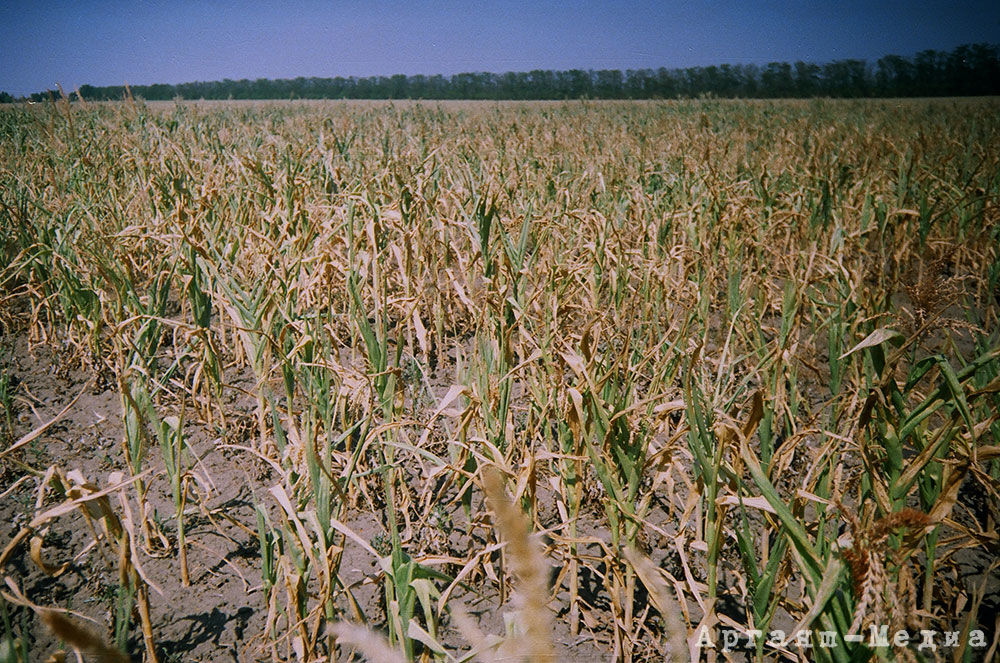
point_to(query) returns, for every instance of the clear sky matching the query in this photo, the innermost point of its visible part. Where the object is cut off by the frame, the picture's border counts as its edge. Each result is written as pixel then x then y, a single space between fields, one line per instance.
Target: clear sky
pixel 44 42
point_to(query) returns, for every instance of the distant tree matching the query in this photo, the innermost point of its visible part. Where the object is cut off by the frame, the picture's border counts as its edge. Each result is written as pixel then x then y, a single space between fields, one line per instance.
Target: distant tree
pixel 972 69
pixel 48 95
pixel 776 80
pixel 729 81
pixel 691 82
pixel 543 84
pixel 750 74
pixel 160 92
pixel 894 77
pixel 667 83
pixel 846 78
pixel 985 64
pixel 711 80
pixel 929 73
pixel 397 88
pixel 807 79
pixel 578 84
pixel 609 84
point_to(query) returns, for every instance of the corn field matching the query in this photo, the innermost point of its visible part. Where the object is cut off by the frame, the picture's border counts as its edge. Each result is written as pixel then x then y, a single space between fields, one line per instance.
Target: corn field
pixel 413 381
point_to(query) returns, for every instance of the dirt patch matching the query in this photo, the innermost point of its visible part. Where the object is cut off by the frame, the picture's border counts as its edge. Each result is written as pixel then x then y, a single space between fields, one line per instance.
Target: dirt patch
pixel 222 615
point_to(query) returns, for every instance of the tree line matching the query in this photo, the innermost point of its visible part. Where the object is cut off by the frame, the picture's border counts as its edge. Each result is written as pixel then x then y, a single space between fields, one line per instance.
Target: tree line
pixel 968 70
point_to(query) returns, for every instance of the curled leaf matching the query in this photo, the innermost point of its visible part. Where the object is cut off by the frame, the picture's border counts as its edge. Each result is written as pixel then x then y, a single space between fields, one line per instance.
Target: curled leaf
pixel 35 550
pixel 877 337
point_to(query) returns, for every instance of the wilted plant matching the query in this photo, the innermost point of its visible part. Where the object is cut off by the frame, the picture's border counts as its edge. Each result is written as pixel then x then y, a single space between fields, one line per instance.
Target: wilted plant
pixel 391 298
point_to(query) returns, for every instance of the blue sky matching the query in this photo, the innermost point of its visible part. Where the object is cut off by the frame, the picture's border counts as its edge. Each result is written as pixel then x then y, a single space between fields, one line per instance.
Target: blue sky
pixel 141 42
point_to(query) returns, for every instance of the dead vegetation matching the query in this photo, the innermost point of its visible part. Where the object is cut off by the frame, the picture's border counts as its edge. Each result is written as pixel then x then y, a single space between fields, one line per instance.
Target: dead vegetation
pixel 736 364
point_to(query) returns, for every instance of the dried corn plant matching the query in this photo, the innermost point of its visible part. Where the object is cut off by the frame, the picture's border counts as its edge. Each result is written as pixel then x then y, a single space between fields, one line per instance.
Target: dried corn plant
pixel 736 363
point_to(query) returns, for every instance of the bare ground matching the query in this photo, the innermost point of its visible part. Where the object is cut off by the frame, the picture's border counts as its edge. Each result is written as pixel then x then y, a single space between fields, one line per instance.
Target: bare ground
pixel 220 617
